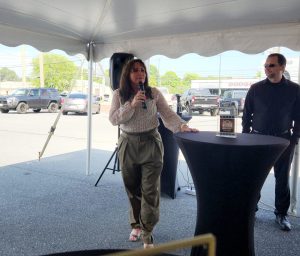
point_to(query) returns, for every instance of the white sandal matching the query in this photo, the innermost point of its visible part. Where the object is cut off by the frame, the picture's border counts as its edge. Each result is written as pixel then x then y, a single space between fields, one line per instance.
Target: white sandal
pixel 135 234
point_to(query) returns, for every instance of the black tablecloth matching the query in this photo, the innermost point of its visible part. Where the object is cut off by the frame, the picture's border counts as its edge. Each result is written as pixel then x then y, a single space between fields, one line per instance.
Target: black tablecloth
pixel 168 180
pixel 228 174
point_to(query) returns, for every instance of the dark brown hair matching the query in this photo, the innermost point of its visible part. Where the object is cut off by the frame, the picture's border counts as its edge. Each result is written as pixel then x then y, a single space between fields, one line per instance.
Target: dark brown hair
pixel 126 91
pixel 280 57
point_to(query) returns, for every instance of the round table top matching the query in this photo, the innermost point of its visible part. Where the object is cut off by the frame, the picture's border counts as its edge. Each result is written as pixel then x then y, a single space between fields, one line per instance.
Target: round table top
pixel 242 139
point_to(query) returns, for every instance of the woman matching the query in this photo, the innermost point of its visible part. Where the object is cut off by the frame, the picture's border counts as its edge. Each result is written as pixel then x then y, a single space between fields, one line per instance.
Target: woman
pixel 140 145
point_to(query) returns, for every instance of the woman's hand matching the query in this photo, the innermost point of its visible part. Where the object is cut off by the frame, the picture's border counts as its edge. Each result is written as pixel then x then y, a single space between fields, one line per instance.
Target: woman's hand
pixel 186 128
pixel 138 99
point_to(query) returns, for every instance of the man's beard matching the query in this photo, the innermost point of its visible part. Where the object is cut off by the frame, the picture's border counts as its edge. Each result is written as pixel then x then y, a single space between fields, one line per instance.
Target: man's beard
pixel 270 76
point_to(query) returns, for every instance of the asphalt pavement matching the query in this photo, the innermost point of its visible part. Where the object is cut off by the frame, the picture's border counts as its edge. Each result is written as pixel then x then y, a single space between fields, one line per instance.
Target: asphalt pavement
pixel 51 205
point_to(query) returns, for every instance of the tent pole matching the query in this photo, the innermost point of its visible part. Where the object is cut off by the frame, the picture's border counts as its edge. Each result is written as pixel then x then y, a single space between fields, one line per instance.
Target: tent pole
pixel 294 181
pixel 89 121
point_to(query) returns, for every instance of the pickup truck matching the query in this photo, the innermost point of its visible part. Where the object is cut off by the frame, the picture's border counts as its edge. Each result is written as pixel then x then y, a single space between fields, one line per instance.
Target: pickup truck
pixel 31 98
pixel 200 100
pixel 233 101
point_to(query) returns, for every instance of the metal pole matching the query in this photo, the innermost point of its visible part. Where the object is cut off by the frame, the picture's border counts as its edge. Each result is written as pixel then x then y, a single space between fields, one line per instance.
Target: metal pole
pixel 89 123
pixel 294 181
pixel 220 65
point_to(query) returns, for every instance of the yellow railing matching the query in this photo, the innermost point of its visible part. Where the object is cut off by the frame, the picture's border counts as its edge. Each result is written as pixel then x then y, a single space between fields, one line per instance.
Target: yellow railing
pixel 207 240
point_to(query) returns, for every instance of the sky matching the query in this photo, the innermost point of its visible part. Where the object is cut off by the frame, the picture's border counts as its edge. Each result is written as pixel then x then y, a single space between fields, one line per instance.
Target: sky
pixel 230 63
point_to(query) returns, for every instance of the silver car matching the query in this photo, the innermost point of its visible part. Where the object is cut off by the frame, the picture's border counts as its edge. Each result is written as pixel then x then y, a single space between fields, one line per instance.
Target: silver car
pixel 78 103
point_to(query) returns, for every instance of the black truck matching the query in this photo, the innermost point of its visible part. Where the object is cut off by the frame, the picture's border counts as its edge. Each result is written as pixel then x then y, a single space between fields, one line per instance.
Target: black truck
pixel 200 100
pixel 233 101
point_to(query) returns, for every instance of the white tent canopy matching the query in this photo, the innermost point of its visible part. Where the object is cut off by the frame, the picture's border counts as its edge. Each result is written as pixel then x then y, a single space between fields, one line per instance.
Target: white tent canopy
pixel 146 28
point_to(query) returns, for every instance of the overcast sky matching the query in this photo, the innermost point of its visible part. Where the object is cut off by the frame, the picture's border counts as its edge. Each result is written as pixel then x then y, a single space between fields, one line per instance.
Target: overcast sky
pixel 231 63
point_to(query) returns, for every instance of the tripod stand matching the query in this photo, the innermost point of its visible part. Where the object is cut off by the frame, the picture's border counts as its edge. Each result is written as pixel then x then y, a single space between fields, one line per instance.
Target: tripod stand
pixel 116 162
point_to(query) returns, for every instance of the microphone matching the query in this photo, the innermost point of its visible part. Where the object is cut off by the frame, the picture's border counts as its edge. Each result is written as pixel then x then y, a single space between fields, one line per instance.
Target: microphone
pixel 142 88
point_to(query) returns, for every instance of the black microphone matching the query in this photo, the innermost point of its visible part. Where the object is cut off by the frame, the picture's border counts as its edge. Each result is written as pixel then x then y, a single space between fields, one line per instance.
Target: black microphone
pixel 142 88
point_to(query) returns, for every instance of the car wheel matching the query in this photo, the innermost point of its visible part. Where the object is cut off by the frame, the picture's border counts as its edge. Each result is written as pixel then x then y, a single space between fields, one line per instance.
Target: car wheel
pixel 4 111
pixel 214 112
pixel 37 110
pixel 188 109
pixel 98 110
pixel 22 108
pixel 53 107
pixel 65 113
pixel 233 111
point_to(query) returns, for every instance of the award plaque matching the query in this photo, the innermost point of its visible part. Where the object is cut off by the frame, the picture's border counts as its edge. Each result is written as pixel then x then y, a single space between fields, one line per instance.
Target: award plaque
pixel 227 126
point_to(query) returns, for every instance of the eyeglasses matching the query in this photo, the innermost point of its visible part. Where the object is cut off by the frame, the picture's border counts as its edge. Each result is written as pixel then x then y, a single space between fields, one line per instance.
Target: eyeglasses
pixel 270 65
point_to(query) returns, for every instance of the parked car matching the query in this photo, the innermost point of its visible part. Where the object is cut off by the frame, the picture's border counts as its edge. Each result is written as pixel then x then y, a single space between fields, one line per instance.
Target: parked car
pixel 31 98
pixel 78 103
pixel 200 100
pixel 167 95
pixel 233 101
pixel 62 95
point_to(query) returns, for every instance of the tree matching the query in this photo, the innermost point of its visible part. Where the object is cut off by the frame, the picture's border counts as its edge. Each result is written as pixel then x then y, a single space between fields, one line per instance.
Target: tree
pixel 7 74
pixel 84 75
pixel 258 74
pixel 171 81
pixel 58 71
pixel 186 81
pixel 154 76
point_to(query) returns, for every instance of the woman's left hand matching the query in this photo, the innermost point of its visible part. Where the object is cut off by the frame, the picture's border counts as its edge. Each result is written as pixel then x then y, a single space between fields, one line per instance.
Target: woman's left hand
pixel 186 128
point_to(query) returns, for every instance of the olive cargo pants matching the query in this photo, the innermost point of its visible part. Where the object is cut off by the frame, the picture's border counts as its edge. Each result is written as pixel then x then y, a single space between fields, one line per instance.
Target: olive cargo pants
pixel 141 161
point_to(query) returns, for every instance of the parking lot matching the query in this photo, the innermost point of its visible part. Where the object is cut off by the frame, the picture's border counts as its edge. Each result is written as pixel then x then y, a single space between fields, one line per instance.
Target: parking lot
pixel 23 135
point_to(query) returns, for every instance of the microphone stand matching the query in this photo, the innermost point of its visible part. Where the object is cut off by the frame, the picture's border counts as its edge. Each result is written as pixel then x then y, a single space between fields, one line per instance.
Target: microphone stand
pixel 116 167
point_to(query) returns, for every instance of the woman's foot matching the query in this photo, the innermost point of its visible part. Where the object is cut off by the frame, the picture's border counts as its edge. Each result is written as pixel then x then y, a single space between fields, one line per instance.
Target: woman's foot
pixel 135 234
pixel 148 242
pixel 146 246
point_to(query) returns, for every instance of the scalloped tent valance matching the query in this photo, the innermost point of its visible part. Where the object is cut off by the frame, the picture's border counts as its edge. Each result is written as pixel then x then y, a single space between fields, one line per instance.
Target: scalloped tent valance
pixel 146 28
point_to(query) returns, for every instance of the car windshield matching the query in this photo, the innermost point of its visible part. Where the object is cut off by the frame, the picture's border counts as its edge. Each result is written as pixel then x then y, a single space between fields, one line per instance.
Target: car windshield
pixel 240 94
pixel 202 92
pixel 19 92
pixel 77 96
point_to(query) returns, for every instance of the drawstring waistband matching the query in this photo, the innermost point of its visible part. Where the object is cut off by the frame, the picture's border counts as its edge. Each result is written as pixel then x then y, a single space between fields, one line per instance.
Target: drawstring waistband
pixel 141 136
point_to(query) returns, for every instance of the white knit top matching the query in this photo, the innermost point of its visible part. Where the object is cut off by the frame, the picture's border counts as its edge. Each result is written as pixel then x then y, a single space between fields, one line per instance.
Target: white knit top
pixel 136 120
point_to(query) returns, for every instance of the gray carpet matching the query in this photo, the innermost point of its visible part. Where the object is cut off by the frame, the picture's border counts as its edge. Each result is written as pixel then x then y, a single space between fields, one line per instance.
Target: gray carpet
pixel 52 206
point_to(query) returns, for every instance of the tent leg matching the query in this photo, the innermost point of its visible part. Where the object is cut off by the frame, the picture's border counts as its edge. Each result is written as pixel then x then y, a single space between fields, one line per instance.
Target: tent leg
pixel 89 122
pixel 294 181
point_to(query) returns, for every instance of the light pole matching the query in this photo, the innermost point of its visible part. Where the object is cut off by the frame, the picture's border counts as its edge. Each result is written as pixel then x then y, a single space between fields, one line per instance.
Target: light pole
pixel 220 62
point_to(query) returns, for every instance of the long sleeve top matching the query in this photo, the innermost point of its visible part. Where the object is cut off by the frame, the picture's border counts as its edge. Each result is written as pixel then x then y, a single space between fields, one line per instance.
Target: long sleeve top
pixel 272 109
pixel 137 120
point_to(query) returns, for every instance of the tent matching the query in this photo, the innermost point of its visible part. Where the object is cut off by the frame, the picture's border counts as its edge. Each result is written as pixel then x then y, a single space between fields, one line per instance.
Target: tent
pixel 99 28
pixel 145 28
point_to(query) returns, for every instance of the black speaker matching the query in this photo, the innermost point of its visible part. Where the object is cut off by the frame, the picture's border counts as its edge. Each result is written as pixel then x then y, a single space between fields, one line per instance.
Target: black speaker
pixel 117 61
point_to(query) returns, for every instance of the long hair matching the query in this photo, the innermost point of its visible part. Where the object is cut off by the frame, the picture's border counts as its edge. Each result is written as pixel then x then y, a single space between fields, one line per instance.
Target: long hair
pixel 126 91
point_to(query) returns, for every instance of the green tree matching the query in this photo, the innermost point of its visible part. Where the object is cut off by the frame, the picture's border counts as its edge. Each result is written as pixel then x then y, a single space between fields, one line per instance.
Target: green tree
pixel 7 74
pixel 171 81
pixel 186 81
pixel 258 74
pixel 84 75
pixel 58 71
pixel 153 76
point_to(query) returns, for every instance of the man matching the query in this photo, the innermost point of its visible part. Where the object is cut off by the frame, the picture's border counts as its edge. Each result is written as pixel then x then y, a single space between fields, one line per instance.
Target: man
pixel 272 107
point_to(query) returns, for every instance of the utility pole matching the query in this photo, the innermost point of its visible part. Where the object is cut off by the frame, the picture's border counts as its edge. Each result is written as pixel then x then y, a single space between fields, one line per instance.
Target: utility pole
pixel 23 62
pixel 220 62
pixel 42 80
